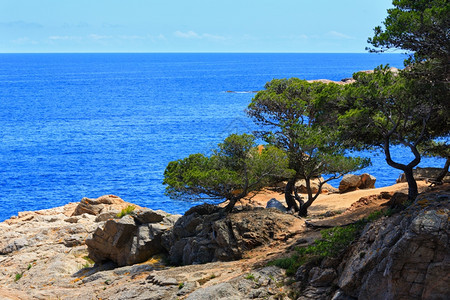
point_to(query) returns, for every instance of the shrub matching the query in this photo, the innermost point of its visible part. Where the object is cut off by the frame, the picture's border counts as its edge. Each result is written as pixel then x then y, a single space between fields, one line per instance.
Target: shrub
pixel 332 243
pixel 126 211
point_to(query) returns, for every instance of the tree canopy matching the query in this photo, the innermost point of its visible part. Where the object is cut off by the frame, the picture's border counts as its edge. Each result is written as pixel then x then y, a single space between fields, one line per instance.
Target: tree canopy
pixel 383 108
pixel 292 116
pixel 236 168
pixel 419 26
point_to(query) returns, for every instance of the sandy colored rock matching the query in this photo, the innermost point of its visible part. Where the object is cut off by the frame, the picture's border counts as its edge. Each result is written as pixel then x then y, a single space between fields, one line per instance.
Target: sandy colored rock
pixel 349 182
pixel 100 205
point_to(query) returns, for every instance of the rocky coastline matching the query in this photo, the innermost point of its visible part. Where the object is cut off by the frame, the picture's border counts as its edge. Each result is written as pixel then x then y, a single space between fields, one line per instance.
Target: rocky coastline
pixel 84 251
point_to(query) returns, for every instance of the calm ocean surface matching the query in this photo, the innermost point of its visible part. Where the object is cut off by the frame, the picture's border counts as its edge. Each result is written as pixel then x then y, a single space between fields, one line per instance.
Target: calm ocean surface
pixel 85 125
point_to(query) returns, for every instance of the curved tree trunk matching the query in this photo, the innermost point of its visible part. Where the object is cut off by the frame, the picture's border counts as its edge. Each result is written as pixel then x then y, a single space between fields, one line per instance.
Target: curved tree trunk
pixel 290 199
pixel 444 171
pixel 412 184
pixel 231 204
pixel 408 169
pixel 303 212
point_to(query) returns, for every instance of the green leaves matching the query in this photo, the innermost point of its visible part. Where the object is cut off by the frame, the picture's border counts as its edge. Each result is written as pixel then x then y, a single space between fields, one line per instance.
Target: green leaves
pixel 235 168
pixel 420 26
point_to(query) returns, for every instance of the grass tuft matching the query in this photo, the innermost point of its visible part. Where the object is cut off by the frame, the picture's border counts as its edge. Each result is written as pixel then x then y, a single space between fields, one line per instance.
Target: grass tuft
pixel 126 211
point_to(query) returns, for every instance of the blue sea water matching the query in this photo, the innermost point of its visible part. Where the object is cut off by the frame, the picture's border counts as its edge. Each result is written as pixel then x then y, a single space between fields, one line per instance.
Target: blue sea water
pixel 85 125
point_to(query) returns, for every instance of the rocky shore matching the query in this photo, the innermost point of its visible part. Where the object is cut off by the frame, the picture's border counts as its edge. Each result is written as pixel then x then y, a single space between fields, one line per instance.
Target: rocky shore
pixel 84 251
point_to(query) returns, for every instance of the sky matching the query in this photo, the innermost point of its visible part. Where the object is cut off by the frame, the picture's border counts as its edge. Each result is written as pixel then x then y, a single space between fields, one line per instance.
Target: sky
pixel 189 25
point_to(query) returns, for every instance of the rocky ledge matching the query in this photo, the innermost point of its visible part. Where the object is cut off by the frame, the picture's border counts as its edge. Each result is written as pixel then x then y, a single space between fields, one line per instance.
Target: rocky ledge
pixel 84 251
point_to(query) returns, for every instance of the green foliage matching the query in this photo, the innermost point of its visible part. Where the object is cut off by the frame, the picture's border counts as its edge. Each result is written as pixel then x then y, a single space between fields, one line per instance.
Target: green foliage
pixel 126 211
pixel 29 266
pixel 181 285
pixel 89 260
pixel 375 215
pixel 250 276
pixel 420 26
pixel 332 243
pixel 18 276
pixel 294 116
pixel 235 168
pixel 383 108
pixel 85 266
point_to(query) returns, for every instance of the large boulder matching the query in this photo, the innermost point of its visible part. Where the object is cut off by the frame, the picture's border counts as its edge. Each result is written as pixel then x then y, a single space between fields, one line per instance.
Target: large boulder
pixel 426 174
pixel 351 182
pixel 300 185
pixel 131 239
pixel 404 256
pixel 367 181
pixel 103 204
pixel 205 233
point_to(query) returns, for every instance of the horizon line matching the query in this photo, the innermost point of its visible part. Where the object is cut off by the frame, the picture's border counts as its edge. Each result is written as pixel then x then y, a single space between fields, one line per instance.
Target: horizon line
pixel 199 52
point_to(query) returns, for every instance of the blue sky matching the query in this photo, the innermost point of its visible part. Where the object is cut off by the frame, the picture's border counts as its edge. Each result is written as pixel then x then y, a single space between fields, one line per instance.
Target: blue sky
pixel 188 25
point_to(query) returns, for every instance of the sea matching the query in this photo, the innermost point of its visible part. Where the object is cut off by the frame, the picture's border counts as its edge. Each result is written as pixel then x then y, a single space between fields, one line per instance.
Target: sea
pixel 86 125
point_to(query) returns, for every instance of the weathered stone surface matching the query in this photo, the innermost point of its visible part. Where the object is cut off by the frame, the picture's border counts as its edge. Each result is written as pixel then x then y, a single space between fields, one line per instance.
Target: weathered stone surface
pixel 14 246
pixel 400 257
pixel 300 185
pixel 426 174
pixel 274 203
pixel 206 234
pixel 322 277
pixel 367 181
pixel 146 215
pixel 100 205
pixel 263 283
pixel 349 183
pixel 131 239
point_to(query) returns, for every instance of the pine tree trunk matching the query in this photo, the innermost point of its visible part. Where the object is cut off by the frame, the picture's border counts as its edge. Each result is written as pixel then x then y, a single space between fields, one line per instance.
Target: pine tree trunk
pixel 412 184
pixel 290 200
pixel 444 171
pixel 303 212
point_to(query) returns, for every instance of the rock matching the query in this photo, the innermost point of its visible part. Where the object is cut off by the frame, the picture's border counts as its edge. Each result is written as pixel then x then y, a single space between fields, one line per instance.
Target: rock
pixel 300 185
pixel 100 205
pixel 104 216
pixel 146 215
pixel 322 277
pixel 161 281
pixel 427 174
pixel 215 292
pixel 352 182
pixel 405 256
pixel 205 234
pixel 397 200
pixel 349 183
pixel 14 246
pixel 367 181
pixel 274 203
pixel 131 239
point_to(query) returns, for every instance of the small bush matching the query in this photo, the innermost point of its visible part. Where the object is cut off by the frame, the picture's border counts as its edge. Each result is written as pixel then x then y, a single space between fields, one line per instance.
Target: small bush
pixel 332 243
pixel 18 276
pixel 126 211
pixel 250 276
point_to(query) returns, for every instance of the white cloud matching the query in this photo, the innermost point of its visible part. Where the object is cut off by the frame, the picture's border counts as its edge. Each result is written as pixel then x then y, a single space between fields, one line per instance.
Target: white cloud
pixel 99 37
pixel 194 35
pixel 64 38
pixel 132 37
pixel 21 25
pixel 296 37
pixel 339 35
pixel 24 41
pixel 187 35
